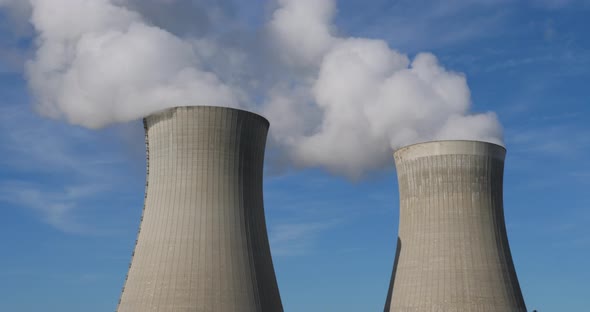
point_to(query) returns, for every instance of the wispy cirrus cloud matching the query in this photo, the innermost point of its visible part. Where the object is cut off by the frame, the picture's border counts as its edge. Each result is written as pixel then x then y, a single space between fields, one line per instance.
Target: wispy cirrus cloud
pixel 14 31
pixel 551 136
pixel 55 206
pixel 560 4
pixel 295 239
pixel 70 167
pixel 548 152
pixel 424 25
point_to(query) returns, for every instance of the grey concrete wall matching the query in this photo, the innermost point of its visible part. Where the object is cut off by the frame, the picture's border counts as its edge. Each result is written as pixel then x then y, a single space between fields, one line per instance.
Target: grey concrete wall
pixel 453 252
pixel 202 244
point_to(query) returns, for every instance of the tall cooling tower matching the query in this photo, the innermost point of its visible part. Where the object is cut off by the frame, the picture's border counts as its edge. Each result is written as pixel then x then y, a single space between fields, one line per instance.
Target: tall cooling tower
pixel 202 243
pixel 452 251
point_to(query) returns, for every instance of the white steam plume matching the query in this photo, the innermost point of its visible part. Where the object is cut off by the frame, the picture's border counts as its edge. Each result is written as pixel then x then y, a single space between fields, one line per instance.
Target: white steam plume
pixel 334 102
pixel 373 99
pixel 99 63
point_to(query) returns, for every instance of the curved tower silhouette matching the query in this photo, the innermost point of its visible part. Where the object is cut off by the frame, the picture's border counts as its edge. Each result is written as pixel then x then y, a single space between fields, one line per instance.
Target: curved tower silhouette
pixel 452 251
pixel 202 243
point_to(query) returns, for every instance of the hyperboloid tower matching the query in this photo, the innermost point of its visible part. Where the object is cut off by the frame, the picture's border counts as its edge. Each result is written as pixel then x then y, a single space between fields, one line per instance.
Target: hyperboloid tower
pixel 452 250
pixel 202 242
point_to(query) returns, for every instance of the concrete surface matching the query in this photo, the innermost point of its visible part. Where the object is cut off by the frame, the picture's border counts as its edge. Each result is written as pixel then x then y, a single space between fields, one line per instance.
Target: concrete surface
pixel 452 252
pixel 202 244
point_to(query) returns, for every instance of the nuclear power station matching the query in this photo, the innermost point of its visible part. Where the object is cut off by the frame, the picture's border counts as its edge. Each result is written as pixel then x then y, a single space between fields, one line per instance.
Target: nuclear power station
pixel 452 250
pixel 202 243
pixel 203 246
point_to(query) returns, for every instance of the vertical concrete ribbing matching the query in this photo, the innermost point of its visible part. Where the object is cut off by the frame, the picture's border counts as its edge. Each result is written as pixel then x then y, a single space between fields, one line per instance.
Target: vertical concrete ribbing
pixel 453 252
pixel 202 244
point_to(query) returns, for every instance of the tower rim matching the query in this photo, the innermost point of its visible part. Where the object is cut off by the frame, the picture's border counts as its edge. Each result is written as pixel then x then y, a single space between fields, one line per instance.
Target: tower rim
pixel 448 141
pixel 212 107
pixel 448 147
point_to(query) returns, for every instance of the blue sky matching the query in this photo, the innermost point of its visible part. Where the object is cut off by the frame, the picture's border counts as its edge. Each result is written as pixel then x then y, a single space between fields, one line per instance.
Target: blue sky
pixel 71 198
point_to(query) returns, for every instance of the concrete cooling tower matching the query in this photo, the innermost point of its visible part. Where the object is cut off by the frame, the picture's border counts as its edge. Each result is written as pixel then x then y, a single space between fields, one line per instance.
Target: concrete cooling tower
pixel 452 251
pixel 202 243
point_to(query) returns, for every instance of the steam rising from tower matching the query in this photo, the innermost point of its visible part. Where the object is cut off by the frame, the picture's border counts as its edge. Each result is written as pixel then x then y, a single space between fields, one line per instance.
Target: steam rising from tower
pixel 104 61
pixel 202 244
pixel 452 251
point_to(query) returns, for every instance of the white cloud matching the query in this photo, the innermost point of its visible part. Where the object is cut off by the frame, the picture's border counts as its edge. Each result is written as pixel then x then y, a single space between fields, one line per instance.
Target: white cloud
pixel 99 63
pixel 182 17
pixel 302 29
pixel 335 102
pixel 373 100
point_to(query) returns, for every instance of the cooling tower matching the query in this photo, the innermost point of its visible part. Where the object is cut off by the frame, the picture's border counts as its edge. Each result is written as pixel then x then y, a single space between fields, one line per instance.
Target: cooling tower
pixel 452 251
pixel 202 243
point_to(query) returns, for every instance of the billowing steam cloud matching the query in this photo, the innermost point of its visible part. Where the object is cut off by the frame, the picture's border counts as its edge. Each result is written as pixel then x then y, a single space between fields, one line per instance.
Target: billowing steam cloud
pixel 99 63
pixel 335 102
pixel 372 98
